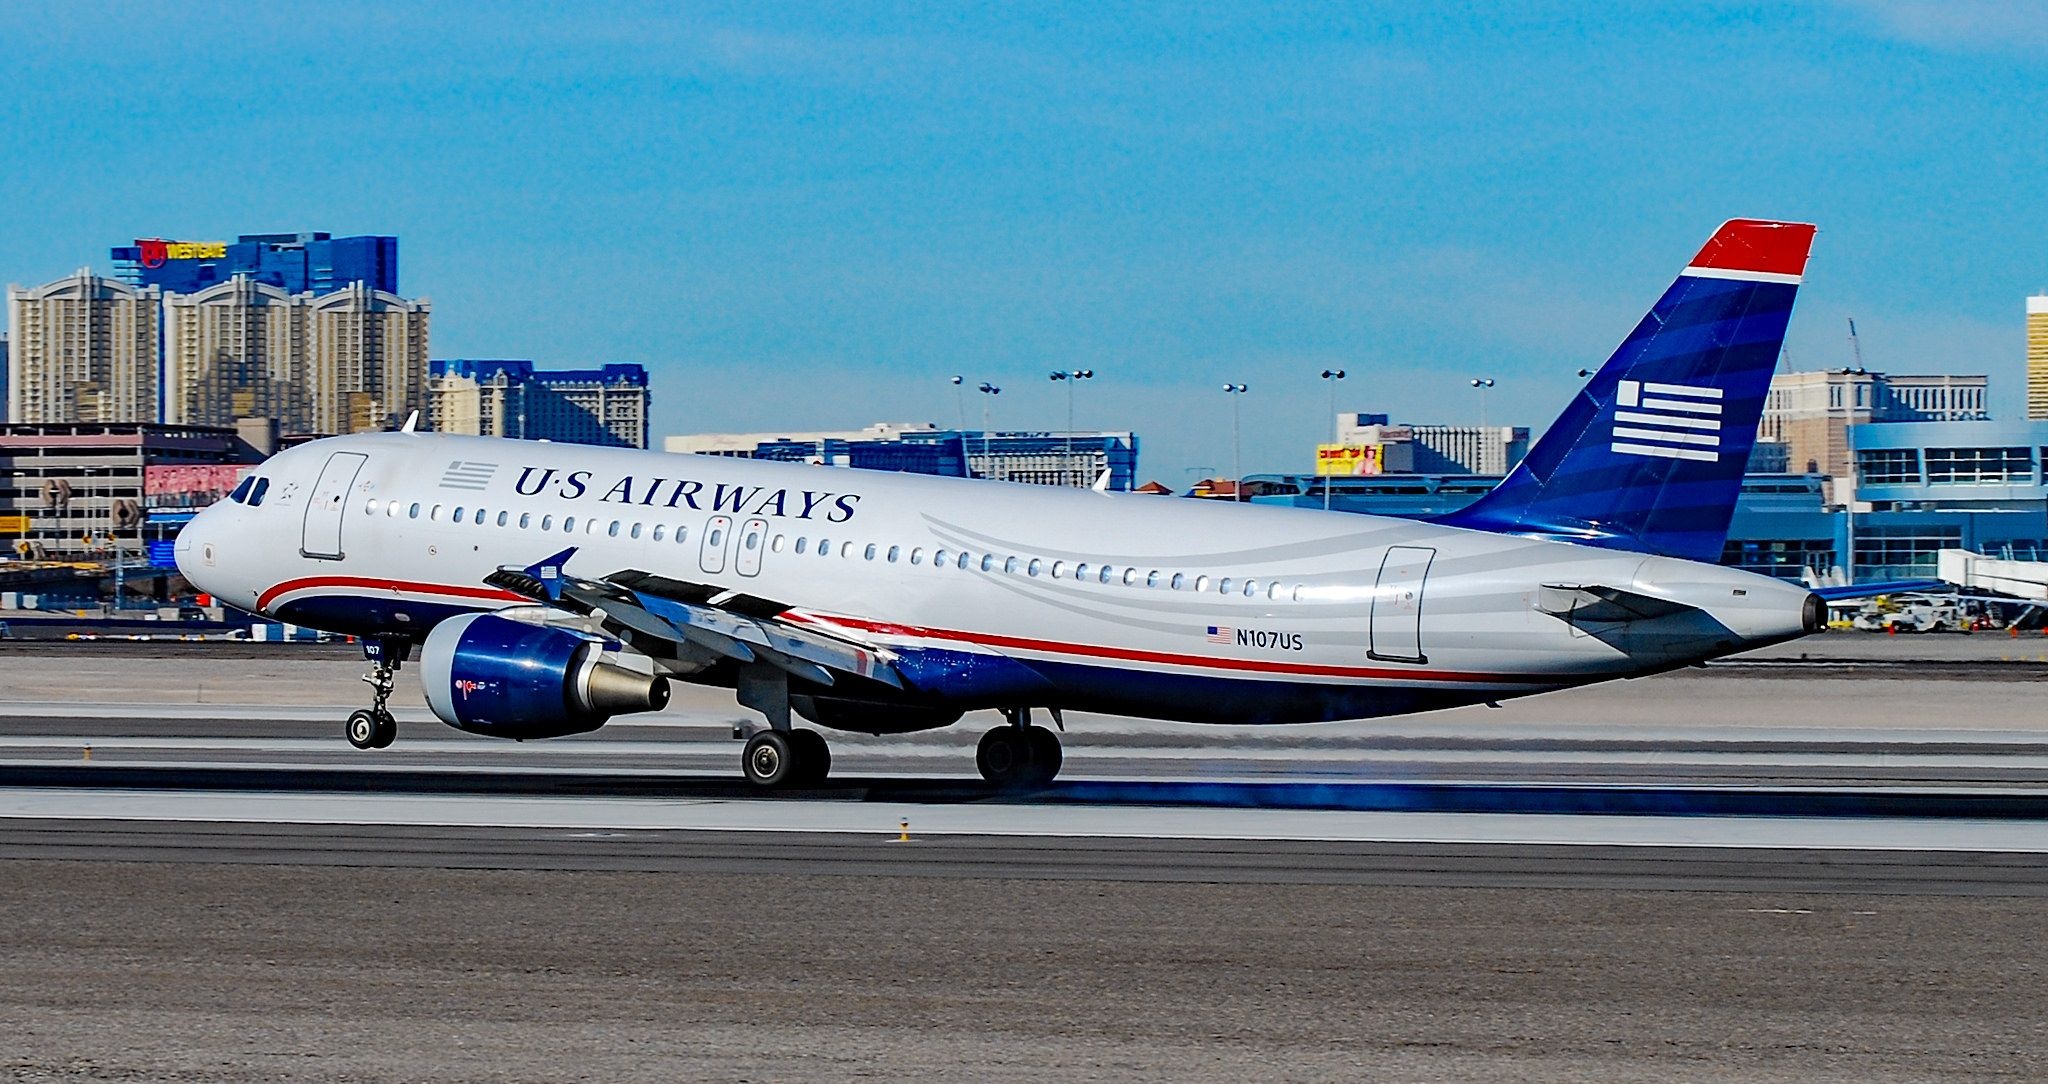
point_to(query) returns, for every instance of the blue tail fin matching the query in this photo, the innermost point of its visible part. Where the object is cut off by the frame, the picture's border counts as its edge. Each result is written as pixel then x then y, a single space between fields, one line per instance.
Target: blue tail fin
pixel 1650 455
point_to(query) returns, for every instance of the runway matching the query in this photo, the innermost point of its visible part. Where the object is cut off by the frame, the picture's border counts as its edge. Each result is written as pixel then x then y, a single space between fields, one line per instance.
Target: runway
pixel 1795 870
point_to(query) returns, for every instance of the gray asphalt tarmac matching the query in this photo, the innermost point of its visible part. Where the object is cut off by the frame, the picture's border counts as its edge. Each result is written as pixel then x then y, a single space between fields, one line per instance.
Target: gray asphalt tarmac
pixel 140 971
pixel 411 936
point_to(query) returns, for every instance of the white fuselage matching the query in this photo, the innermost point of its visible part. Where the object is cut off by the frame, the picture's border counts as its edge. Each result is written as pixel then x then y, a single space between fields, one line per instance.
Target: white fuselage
pixel 1134 604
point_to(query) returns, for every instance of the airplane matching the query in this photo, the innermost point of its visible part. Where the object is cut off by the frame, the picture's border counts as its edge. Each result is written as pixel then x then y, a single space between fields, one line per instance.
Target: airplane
pixel 549 588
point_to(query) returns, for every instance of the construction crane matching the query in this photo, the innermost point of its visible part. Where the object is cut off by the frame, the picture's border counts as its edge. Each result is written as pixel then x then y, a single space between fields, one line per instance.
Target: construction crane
pixel 1855 347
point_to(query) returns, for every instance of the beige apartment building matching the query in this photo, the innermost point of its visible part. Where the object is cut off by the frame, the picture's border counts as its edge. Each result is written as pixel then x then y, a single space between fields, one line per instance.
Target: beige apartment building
pixel 238 349
pixel 1810 413
pixel 368 359
pixel 84 349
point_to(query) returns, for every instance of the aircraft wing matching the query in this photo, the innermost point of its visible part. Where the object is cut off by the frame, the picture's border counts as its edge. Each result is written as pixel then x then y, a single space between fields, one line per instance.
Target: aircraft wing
pixel 724 624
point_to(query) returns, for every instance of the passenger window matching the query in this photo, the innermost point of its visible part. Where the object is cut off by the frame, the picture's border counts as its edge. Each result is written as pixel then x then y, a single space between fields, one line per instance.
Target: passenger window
pixel 1032 568
pixel 391 510
pixel 658 531
pixel 963 561
pixel 1179 578
pixel 370 507
pixel 1152 578
pixel 1223 586
pixel 776 545
pixel 525 520
pixel 894 552
pixel 636 530
pixel 590 526
pixel 547 523
pixel 568 524
pixel 751 540
pixel 504 518
pixel 1081 571
pixel 988 562
pixel 1251 587
pixel 682 533
pixel 415 510
pixel 1010 565
pixel 800 542
pixel 458 513
pixel 1057 568
pixel 939 559
pixel 917 555
pixel 715 538
pixel 1273 591
pixel 1108 574
pixel 613 530
pixel 1130 576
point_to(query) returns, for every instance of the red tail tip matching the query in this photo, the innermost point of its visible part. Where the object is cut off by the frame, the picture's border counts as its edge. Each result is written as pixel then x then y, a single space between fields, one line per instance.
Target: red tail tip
pixel 1756 245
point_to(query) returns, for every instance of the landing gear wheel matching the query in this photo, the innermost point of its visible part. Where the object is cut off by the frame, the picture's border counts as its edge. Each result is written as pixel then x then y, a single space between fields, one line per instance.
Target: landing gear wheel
pixel 1046 755
pixel 387 731
pixel 363 730
pixel 813 756
pixel 1004 757
pixel 770 759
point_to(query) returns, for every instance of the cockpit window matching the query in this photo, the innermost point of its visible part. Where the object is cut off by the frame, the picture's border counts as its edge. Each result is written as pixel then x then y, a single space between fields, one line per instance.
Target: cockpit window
pixel 241 489
pixel 257 491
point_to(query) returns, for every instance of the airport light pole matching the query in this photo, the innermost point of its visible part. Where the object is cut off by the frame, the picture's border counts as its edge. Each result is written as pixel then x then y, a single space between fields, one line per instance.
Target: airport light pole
pixel 989 392
pixel 1482 383
pixel 1236 442
pixel 1330 377
pixel 960 400
pixel 1070 377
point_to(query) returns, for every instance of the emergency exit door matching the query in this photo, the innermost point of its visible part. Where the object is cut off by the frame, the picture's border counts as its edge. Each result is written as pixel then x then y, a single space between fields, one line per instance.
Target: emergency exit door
pixel 321 536
pixel 1397 604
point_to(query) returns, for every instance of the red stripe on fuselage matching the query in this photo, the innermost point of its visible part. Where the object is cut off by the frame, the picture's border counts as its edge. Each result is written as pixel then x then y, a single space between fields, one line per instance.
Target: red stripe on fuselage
pixel 1265 666
pixel 984 639
pixel 489 594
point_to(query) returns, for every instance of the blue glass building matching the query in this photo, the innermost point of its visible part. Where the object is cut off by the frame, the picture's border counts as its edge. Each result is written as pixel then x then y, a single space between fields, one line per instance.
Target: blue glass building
pixel 295 262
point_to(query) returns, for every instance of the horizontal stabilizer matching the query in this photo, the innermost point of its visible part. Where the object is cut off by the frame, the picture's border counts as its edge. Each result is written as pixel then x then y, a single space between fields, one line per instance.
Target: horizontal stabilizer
pixel 1594 603
pixel 1873 590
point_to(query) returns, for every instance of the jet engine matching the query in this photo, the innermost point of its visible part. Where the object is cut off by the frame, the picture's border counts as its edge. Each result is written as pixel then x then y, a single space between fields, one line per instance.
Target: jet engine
pixel 507 679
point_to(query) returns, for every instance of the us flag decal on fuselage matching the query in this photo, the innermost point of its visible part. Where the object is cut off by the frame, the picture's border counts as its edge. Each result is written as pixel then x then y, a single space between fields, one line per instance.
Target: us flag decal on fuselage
pixel 1222 634
pixel 1669 421
pixel 463 474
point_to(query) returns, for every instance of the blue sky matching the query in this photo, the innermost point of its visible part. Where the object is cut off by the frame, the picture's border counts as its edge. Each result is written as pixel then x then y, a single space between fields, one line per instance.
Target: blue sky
pixel 813 217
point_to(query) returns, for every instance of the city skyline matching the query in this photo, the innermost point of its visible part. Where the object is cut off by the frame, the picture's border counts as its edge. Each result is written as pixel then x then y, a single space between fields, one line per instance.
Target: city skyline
pixel 851 209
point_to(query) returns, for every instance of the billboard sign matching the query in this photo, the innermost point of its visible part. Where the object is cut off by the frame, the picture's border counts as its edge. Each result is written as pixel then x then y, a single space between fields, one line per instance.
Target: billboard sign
pixel 156 251
pixel 189 487
pixel 1350 460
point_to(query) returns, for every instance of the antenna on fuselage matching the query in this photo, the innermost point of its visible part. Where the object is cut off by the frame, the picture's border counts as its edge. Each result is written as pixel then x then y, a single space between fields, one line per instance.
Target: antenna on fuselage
pixel 412 423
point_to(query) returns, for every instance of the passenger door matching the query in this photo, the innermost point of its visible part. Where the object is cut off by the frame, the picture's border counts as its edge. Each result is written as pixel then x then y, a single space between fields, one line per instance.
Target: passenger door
pixel 717 538
pixel 321 535
pixel 753 540
pixel 1397 604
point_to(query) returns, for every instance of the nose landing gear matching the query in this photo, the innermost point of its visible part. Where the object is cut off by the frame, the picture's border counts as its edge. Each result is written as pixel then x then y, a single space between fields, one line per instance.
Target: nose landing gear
pixel 375 728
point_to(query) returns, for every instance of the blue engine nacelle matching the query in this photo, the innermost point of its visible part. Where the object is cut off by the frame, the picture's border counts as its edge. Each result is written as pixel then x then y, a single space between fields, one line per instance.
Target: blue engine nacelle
pixel 508 679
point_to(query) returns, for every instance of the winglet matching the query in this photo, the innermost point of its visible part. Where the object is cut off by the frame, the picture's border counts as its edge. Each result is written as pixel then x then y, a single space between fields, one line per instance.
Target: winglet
pixel 548 571
pixel 412 423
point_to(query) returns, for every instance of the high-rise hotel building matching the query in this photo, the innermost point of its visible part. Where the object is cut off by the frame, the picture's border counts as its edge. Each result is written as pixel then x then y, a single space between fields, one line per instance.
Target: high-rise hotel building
pixel 349 361
pixel 83 349
pixel 2037 358
pixel 605 405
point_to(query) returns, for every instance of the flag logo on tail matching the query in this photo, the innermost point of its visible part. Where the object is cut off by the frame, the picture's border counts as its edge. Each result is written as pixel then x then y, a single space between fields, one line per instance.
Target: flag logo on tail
pixel 1668 421
pixel 464 474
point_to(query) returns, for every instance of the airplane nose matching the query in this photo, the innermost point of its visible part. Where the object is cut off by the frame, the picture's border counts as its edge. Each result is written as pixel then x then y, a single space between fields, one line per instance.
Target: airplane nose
pixel 196 552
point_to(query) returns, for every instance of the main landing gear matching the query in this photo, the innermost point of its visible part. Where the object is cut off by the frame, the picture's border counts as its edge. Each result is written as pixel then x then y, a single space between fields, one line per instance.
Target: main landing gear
pixel 1018 753
pixel 786 758
pixel 374 728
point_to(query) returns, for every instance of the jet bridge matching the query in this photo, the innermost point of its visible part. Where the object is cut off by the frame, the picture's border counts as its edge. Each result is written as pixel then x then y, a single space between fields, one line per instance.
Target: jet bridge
pixel 2020 579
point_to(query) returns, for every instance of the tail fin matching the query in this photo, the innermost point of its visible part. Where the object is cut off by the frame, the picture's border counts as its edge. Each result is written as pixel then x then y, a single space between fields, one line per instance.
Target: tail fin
pixel 1650 455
